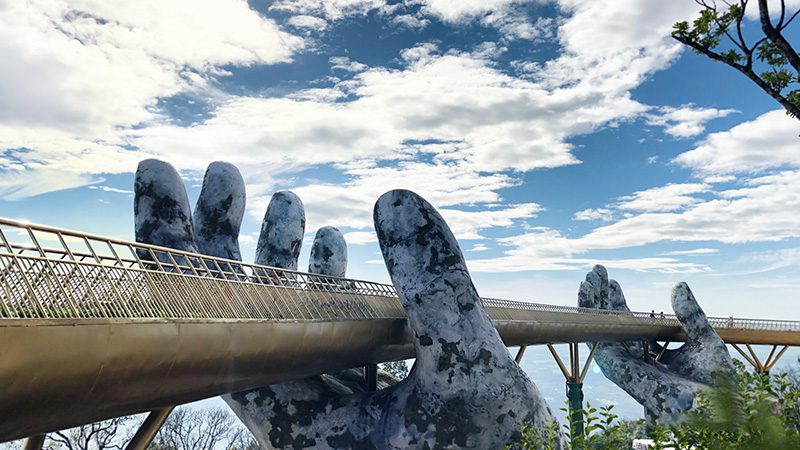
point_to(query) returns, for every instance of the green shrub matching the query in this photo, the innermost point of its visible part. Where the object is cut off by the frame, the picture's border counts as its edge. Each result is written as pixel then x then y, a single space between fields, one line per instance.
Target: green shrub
pixel 752 411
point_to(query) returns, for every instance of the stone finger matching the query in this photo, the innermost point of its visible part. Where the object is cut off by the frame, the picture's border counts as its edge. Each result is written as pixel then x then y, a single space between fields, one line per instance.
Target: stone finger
pixel 328 253
pixel 161 207
pixel 281 232
pixel 219 211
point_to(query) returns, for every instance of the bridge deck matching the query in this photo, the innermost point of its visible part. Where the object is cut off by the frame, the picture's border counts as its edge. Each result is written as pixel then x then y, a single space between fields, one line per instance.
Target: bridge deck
pixel 92 327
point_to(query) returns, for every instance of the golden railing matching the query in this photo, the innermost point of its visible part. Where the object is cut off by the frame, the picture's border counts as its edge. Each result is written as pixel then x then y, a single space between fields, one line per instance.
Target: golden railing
pixel 54 273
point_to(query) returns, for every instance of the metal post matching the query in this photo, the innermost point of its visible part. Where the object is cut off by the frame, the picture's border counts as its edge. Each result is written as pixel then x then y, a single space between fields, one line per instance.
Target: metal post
pixel 147 432
pixel 34 442
pixel 371 377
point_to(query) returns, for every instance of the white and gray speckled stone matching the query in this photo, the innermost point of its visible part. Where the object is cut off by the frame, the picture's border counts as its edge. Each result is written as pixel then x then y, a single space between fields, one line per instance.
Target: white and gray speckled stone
pixel 328 253
pixel 161 208
pixel 281 231
pixel 667 388
pixel 219 211
pixel 465 390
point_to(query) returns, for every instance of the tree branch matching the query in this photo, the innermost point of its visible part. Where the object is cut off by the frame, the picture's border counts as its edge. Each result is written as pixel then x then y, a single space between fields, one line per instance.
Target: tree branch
pixel 747 71
pixel 776 37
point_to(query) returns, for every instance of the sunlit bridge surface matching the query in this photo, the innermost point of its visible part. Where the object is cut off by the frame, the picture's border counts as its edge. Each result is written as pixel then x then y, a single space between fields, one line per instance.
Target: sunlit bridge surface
pixel 93 327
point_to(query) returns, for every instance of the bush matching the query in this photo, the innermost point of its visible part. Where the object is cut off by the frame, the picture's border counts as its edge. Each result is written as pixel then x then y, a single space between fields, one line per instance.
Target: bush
pixel 752 411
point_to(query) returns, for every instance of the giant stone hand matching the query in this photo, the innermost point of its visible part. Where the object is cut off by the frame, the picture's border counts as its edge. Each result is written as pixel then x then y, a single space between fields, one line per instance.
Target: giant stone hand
pixel 667 387
pixel 465 390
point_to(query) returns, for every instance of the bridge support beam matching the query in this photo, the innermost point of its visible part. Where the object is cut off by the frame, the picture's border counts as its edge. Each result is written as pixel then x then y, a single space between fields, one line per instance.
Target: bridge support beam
pixel 34 442
pixel 520 352
pixel 753 360
pixel 662 351
pixel 574 377
pixel 149 428
pixel 371 377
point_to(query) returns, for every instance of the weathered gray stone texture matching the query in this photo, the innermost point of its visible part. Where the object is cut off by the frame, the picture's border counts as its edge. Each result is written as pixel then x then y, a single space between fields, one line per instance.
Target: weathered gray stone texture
pixel 281 231
pixel 465 391
pixel 328 253
pixel 665 388
pixel 219 211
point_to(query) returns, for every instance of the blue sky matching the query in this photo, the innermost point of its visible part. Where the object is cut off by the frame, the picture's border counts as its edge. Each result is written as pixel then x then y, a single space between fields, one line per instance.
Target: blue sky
pixel 551 134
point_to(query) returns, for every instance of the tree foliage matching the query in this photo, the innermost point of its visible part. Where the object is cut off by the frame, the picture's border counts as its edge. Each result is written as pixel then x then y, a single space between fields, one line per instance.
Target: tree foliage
pixel 766 57
pixel 397 368
pixel 754 411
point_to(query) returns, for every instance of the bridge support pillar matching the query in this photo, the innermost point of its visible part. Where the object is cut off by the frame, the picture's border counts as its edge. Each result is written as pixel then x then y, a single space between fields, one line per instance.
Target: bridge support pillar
pixel 371 377
pixel 34 442
pixel 575 401
pixel 149 428
pixel 753 360
pixel 574 376
pixel 520 352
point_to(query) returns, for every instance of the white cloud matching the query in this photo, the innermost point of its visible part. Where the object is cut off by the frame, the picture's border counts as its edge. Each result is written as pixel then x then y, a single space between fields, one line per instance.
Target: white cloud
pixel 509 16
pixel 763 209
pixel 546 249
pixel 360 237
pixel 329 9
pixel 78 75
pixel 769 141
pixel 111 189
pixel 752 10
pixel 714 179
pixel 491 121
pixel 460 106
pixel 309 22
pixel 479 248
pixel 459 11
pixel 347 64
pixel 411 20
pixel 770 260
pixel 603 214
pixel 685 121
pixel 663 198
pixel 350 204
pixel 694 251
pixel 56 51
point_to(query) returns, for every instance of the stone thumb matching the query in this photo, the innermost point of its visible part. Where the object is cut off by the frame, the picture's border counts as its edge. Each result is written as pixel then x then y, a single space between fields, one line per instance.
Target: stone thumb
pixel 445 313
pixel 689 313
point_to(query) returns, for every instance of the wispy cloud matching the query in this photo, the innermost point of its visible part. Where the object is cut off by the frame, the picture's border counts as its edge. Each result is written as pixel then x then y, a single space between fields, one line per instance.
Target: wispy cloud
pixel 685 121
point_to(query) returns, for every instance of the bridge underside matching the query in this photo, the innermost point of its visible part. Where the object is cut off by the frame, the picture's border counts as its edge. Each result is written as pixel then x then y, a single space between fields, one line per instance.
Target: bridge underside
pixel 93 327
pixel 59 373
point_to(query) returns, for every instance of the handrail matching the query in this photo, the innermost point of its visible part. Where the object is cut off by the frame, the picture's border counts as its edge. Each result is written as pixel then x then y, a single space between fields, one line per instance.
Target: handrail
pixel 92 276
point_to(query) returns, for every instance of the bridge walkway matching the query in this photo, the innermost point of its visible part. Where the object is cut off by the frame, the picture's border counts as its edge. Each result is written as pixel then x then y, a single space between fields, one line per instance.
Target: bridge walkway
pixel 93 327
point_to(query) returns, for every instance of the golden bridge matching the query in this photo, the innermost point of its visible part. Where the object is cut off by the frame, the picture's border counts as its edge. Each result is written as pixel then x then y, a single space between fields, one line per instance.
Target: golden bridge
pixel 93 328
